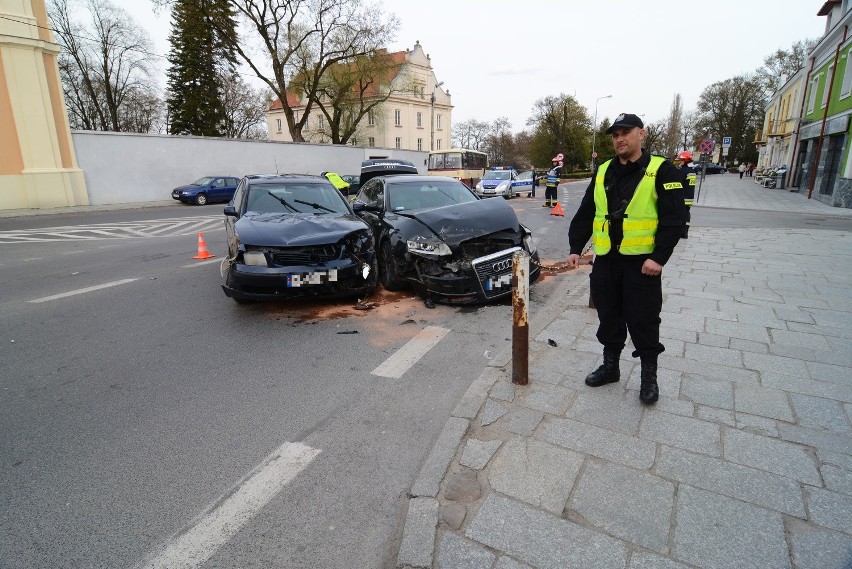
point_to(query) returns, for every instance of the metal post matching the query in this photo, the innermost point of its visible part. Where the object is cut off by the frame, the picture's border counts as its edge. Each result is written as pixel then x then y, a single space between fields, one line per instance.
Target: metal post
pixel 595 129
pixel 520 317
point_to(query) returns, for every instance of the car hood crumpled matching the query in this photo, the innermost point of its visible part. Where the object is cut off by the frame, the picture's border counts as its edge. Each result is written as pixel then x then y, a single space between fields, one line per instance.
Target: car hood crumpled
pixel 293 230
pixel 455 224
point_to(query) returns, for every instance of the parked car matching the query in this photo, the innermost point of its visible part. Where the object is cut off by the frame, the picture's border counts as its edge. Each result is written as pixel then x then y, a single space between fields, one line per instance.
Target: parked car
pixel 206 190
pixel 296 236
pixel 353 181
pixel 497 182
pixel 435 234
pixel 711 168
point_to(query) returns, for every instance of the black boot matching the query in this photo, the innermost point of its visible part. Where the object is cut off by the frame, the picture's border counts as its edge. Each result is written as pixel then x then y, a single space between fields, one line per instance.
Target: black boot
pixel 649 392
pixel 607 373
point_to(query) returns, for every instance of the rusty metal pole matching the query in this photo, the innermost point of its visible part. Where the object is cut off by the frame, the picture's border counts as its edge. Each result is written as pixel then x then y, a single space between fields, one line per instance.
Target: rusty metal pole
pixel 520 318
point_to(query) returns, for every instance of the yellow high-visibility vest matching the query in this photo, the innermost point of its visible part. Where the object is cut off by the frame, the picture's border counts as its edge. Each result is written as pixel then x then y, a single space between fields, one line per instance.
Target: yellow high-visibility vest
pixel 640 217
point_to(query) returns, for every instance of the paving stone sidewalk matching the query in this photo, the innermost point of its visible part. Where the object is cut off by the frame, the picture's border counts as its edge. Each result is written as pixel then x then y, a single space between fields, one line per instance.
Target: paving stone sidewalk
pixel 744 462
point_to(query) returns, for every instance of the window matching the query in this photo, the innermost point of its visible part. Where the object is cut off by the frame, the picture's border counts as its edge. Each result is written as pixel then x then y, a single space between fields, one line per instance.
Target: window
pixel 371 141
pixel 439 121
pixel 372 193
pixel 397 117
pixel 825 92
pixel 438 144
pixel 419 120
pixel 320 122
pixel 419 144
pixel 812 95
pixel 371 119
pixel 278 121
pixel 398 142
pixel 847 76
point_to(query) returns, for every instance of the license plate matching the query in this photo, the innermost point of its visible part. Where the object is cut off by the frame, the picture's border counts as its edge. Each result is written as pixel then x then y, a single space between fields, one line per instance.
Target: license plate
pixel 296 280
pixel 488 191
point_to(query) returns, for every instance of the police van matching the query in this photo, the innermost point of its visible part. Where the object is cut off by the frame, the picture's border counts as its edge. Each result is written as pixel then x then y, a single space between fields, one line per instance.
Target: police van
pixel 497 181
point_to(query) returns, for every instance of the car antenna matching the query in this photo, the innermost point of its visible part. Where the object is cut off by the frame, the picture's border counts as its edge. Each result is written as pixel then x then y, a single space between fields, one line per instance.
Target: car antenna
pixel 276 164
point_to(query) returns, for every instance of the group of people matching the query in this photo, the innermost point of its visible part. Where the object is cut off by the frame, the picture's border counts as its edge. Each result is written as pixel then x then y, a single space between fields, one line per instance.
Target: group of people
pixel 746 169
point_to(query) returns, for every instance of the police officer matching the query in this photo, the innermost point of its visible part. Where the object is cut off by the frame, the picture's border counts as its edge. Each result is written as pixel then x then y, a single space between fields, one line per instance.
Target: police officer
pixel 551 183
pixel 634 211
pixel 682 161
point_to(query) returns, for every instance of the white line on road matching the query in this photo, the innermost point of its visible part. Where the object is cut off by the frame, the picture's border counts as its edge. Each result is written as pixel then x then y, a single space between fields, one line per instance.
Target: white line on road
pixel 82 290
pixel 199 263
pixel 409 354
pixel 193 546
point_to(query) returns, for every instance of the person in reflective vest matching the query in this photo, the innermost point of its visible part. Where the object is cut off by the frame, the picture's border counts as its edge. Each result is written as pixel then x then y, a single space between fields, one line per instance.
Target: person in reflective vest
pixel 634 212
pixel 338 182
pixel 551 183
pixel 682 161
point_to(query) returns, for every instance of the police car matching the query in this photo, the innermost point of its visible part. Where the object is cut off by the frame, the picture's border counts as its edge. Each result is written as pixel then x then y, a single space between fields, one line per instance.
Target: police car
pixel 497 181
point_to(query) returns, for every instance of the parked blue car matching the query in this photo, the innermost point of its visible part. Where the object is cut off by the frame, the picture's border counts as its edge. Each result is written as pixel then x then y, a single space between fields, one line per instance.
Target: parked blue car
pixel 206 190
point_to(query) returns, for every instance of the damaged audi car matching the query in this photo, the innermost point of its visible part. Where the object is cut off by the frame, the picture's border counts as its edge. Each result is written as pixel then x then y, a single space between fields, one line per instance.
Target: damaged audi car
pixel 295 236
pixel 435 234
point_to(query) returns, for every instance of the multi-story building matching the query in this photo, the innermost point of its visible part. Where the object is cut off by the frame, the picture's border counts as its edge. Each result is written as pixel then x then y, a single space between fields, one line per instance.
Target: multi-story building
pixel 416 116
pixel 822 165
pixel 775 139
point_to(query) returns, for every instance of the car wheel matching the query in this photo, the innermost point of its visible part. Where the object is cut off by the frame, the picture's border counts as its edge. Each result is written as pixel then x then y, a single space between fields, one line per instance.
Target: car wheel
pixel 388 272
pixel 201 199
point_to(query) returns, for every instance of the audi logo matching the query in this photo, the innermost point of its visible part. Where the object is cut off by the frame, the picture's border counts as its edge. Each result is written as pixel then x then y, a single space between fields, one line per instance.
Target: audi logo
pixel 501 266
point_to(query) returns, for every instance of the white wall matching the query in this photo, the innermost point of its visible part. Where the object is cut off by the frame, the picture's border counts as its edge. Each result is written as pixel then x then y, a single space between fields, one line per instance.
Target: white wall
pixel 129 168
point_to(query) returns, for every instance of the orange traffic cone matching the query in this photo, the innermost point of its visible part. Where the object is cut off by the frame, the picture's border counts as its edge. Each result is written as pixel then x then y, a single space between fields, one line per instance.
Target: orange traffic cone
pixel 203 253
pixel 557 210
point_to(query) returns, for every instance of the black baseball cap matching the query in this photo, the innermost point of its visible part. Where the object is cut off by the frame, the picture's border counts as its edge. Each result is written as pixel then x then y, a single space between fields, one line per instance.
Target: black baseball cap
pixel 626 120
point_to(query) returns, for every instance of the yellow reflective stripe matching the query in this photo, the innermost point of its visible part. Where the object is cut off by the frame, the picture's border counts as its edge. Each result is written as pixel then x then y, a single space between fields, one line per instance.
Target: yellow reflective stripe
pixel 688 202
pixel 634 241
pixel 692 181
pixel 673 186
pixel 638 225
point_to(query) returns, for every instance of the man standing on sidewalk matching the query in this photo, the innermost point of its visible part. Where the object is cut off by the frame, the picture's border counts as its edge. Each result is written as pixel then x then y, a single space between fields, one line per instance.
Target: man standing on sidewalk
pixel 634 211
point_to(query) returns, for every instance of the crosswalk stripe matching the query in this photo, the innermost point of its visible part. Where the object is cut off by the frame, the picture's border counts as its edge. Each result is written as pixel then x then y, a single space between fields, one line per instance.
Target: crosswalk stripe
pixel 81 291
pixel 408 355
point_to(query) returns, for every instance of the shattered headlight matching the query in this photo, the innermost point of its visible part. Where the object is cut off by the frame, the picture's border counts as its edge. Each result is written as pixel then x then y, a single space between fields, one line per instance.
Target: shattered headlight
pixel 428 248
pixel 358 241
pixel 255 258
pixel 529 244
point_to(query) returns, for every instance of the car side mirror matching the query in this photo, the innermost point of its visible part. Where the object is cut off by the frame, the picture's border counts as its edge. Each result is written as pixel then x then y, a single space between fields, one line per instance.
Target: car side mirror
pixel 359 206
pixel 230 210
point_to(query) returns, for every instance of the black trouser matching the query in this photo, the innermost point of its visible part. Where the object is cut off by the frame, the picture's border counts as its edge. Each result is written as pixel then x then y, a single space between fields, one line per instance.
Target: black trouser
pixel 550 194
pixel 627 300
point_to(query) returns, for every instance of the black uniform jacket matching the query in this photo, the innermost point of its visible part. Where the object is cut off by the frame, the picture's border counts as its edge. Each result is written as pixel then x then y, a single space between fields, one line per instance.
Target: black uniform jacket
pixel 621 181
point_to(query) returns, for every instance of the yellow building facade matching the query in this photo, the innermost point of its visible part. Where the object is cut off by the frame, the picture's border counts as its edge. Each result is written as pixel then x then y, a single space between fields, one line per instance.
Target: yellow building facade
pixel 38 168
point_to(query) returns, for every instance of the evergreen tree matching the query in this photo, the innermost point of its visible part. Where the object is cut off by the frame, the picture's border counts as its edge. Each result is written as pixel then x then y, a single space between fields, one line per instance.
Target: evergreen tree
pixel 198 58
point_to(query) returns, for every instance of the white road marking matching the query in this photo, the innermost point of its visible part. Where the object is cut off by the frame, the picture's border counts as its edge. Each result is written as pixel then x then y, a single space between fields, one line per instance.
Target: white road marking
pixel 82 290
pixel 198 263
pixel 410 353
pixel 194 545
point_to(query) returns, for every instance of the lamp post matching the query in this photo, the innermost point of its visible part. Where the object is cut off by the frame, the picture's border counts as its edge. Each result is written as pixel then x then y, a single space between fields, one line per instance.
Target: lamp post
pixel 595 128
pixel 432 121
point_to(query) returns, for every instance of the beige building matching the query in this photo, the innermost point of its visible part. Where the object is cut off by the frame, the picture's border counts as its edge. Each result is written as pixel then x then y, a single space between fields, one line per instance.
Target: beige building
pixel 408 120
pixel 775 140
pixel 38 168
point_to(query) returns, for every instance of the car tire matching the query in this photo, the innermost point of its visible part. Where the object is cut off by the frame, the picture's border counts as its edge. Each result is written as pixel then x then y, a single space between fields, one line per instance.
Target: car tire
pixel 388 272
pixel 201 199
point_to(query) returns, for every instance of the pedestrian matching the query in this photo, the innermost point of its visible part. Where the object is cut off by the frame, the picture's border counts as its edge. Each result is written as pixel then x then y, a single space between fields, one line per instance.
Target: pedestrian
pixel 750 169
pixel 534 184
pixel 742 170
pixel 634 212
pixel 551 183
pixel 682 161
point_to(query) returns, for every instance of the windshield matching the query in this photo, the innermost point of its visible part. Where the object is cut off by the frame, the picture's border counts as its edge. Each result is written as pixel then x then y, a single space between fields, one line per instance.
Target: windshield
pixel 421 195
pixel 202 181
pixel 295 197
pixel 498 175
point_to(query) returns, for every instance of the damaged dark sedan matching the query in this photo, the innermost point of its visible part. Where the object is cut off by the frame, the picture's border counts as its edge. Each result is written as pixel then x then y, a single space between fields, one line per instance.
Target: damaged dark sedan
pixel 295 236
pixel 434 233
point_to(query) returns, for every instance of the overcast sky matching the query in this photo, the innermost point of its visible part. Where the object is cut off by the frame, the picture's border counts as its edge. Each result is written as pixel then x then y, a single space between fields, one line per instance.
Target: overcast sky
pixel 497 57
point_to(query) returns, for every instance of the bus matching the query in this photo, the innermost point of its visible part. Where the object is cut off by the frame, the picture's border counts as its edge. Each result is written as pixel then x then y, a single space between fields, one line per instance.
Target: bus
pixel 466 165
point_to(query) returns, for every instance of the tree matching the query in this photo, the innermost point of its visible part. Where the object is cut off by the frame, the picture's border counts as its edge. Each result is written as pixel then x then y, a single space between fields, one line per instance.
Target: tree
pixel 302 38
pixel 734 108
pixel 105 68
pixel 655 137
pixel 671 138
pixel 244 108
pixel 688 132
pixel 783 64
pixel 350 90
pixel 561 125
pixel 200 56
pixel 471 134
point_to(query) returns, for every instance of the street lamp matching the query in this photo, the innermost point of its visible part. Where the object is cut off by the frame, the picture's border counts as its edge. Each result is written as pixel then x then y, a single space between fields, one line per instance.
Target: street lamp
pixel 432 141
pixel 595 128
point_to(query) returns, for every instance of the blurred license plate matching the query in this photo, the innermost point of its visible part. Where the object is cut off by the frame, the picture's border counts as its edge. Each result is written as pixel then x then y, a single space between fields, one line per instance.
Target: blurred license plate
pixel 311 278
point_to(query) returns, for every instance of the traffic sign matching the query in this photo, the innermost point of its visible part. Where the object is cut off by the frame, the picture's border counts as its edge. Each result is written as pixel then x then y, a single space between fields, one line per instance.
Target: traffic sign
pixel 594 154
pixel 707 145
pixel 726 141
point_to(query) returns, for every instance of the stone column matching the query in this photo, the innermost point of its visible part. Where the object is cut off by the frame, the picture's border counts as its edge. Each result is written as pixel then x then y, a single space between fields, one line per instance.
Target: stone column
pixel 38 168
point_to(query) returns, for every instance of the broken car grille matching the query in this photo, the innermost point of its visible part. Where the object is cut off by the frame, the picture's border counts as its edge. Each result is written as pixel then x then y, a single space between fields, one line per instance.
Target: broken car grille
pixel 311 255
